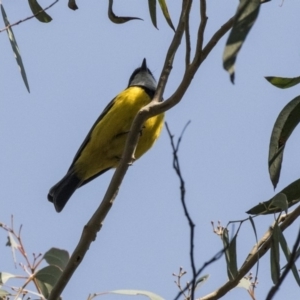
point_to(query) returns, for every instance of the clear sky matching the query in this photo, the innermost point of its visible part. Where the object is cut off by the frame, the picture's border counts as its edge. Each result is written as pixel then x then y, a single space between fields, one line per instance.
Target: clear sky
pixel 75 65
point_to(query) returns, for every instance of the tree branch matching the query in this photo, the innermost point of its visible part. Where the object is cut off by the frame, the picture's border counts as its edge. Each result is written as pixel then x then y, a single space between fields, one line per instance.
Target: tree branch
pixel 95 223
pixel 257 252
pixel 177 169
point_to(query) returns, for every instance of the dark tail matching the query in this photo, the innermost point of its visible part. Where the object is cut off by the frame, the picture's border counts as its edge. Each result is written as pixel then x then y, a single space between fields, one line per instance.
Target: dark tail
pixel 60 193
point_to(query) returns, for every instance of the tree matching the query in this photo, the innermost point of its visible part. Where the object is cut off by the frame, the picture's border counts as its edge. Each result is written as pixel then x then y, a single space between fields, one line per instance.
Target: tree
pixel 188 78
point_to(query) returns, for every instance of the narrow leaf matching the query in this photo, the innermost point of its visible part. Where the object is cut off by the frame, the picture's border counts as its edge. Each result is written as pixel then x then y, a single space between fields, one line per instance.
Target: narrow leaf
pixel 5 276
pixel 118 20
pixel 164 9
pixel 280 201
pixel 283 82
pixel 152 11
pixel 150 295
pixel 274 256
pixel 57 257
pixel 245 17
pixel 230 254
pixel 292 193
pixel 287 253
pixel 39 12
pixel 15 47
pixel 284 125
pixel 199 282
pixel 13 244
pixel 47 278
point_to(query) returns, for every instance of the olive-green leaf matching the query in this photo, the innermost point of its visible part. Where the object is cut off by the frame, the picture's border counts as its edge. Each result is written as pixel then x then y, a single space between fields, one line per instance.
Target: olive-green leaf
pixel 292 193
pixel 164 9
pixel 287 253
pixel 46 278
pixel 200 281
pixel 57 257
pixel 283 82
pixel 280 201
pixel 152 11
pixel 150 295
pixel 284 125
pixel 230 254
pixel 118 20
pixel 15 47
pixel 245 17
pixel 72 4
pixel 274 255
pixel 39 12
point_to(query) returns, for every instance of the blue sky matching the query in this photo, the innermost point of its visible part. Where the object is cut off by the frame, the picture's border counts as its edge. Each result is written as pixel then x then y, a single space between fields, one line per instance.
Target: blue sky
pixel 75 65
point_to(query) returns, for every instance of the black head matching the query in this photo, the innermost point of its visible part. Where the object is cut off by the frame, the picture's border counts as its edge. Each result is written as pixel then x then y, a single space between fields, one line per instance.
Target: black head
pixel 143 77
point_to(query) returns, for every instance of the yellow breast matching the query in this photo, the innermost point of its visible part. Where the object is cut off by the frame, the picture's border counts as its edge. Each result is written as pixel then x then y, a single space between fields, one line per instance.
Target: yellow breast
pixel 107 140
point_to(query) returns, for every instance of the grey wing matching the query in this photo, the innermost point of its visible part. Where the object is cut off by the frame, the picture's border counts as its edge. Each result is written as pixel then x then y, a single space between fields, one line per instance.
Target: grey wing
pixel 86 140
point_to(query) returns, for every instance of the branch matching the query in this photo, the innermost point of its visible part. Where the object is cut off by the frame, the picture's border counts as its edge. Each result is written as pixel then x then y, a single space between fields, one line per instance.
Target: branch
pixel 187 38
pixel 28 18
pixel 95 223
pixel 176 167
pixel 154 108
pixel 257 252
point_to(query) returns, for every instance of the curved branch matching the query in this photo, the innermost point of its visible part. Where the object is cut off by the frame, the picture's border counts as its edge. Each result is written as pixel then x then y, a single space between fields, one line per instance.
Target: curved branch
pixel 94 225
pixel 256 253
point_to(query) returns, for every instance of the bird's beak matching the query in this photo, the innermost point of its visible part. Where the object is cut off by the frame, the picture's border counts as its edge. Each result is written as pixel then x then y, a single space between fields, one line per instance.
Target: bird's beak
pixel 144 65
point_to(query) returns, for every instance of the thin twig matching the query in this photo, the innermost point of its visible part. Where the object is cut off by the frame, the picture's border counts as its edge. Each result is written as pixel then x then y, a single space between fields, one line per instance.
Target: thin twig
pixel 287 269
pixel 177 169
pixel 28 18
pixel 205 265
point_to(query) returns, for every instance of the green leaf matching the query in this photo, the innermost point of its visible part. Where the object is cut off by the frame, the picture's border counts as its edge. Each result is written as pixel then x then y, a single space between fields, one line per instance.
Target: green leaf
pixel 280 201
pixel 150 295
pixel 199 282
pixel 47 278
pixel 5 276
pixel 245 17
pixel 283 82
pixel 152 11
pixel 292 193
pixel 165 12
pixel 230 254
pixel 284 125
pixel 274 256
pixel 118 20
pixel 15 47
pixel 57 257
pixel 38 11
pixel 287 253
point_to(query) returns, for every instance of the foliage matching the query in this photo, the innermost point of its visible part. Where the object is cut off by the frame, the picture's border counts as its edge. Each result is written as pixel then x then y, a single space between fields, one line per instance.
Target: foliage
pixel 50 280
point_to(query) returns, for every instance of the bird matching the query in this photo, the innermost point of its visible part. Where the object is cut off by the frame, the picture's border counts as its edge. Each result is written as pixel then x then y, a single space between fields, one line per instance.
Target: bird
pixel 103 146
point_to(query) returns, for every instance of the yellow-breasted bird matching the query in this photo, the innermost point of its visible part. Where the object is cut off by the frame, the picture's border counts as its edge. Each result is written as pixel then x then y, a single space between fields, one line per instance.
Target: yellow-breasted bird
pixel 103 146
